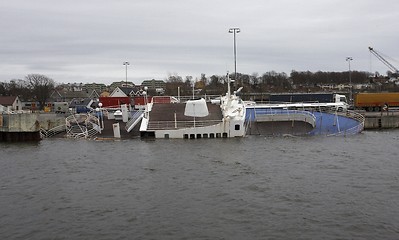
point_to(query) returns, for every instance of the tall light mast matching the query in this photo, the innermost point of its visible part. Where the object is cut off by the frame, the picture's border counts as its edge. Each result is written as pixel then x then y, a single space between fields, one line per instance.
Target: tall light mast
pixel 235 30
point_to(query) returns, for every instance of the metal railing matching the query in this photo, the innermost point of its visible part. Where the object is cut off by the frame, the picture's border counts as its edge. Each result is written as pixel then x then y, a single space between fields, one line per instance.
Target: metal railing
pixel 53 131
pixel 82 126
pixel 164 125
pixel 284 114
pixel 353 130
pixel 207 98
pixel 359 118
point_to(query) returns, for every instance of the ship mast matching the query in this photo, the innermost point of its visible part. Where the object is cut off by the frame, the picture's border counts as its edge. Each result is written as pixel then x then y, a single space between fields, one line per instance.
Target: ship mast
pixel 228 85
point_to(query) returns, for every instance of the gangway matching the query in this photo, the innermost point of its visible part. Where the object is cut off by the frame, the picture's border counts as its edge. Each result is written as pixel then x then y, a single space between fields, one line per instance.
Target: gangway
pixel 137 116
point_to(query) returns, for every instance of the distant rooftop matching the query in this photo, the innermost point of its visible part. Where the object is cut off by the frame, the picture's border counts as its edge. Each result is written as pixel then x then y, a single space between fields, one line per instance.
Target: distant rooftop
pixel 7 100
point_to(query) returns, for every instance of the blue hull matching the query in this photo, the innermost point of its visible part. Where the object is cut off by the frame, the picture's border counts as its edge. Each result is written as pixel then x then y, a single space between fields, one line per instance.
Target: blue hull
pixel 326 123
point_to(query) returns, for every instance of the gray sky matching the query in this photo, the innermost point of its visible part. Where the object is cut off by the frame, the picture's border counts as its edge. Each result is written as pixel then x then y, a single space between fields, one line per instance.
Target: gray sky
pixel 88 40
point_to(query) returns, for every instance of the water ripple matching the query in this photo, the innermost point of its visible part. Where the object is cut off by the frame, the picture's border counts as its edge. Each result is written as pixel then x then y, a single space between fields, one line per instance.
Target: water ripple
pixel 253 188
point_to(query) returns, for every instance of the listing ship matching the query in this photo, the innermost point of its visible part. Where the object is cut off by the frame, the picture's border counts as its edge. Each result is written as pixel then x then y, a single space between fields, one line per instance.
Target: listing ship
pixel 195 119
pixel 224 117
pixel 158 117
pixel 329 116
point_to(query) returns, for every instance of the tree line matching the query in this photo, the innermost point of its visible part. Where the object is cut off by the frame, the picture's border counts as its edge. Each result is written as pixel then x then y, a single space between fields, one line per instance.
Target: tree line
pixel 35 87
pixel 267 82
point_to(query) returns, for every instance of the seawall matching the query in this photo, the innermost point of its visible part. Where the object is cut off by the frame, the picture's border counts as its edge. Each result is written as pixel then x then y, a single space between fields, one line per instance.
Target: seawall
pixel 19 127
pixel 381 120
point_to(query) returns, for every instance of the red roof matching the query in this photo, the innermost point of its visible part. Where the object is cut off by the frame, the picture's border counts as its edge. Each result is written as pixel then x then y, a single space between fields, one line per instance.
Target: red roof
pixel 7 100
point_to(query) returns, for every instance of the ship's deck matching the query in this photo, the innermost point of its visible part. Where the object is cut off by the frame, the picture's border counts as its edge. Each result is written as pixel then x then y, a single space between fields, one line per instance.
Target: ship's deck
pixel 166 112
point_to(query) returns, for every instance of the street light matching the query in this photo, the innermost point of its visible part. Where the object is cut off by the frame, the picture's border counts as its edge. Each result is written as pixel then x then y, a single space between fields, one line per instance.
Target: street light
pixel 102 115
pixel 99 110
pixel 234 31
pixel 126 64
pixel 349 59
pixel 145 93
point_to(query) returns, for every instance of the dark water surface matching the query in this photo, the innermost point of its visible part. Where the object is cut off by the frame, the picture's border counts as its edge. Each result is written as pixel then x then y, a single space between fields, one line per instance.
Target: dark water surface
pixel 251 188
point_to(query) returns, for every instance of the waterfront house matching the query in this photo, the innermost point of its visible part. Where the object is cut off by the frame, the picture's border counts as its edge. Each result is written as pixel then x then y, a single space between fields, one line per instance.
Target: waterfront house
pixel 10 103
pixel 120 95
pixel 123 92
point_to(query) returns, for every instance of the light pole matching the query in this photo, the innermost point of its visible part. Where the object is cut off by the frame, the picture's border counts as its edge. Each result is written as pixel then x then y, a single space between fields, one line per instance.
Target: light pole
pixel 101 120
pixel 145 93
pixel 349 59
pixel 102 117
pixel 234 31
pixel 126 64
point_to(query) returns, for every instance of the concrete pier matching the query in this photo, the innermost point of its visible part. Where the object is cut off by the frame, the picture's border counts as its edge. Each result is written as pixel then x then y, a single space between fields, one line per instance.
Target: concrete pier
pixel 381 120
pixel 19 127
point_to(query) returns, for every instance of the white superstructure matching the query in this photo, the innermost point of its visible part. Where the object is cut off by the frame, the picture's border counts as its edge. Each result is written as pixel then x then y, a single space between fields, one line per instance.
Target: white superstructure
pixel 197 120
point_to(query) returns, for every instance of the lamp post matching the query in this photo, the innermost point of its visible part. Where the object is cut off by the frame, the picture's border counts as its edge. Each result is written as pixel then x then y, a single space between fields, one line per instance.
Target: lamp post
pixel 234 31
pixel 102 117
pixel 145 93
pixel 100 111
pixel 126 64
pixel 349 59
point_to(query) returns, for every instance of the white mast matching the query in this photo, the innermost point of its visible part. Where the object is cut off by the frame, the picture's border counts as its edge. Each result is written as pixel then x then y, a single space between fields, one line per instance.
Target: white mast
pixel 228 85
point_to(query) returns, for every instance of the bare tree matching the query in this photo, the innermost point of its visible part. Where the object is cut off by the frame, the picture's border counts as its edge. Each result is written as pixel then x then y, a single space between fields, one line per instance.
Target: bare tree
pixel 40 86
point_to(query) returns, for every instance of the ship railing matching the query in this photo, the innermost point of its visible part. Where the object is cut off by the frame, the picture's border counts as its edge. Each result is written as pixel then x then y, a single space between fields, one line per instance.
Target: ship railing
pixel 92 132
pixel 42 133
pixel 82 125
pixel 53 131
pixel 77 118
pixel 272 111
pixel 76 131
pixel 354 115
pixel 207 98
pixel 163 125
pixel 355 129
pixel 350 131
pixel 285 114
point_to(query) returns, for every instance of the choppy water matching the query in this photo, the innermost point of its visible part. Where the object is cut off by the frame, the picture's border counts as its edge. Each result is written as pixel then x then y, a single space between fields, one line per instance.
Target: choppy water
pixel 252 188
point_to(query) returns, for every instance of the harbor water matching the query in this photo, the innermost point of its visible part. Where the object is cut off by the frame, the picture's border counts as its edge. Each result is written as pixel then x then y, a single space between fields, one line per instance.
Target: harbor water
pixel 257 187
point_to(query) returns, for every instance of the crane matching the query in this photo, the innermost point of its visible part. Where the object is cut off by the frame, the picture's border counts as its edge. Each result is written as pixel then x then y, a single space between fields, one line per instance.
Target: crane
pixel 383 60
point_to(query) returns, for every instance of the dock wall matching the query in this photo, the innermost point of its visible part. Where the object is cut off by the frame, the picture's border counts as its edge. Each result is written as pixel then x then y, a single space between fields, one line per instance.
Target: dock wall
pixel 19 127
pixel 381 120
pixel 51 120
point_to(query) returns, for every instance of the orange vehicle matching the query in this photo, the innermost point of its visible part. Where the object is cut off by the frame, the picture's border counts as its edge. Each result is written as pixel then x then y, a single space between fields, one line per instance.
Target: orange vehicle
pixel 376 101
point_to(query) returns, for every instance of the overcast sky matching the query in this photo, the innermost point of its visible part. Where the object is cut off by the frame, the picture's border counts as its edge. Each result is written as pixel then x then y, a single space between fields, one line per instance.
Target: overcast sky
pixel 88 40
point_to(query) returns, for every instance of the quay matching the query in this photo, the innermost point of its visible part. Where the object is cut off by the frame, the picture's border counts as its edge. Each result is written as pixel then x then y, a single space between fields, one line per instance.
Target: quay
pixel 19 127
pixel 381 120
